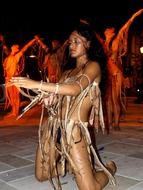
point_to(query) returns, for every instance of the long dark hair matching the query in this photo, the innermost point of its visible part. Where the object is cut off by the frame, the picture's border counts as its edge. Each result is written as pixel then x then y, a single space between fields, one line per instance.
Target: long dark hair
pixel 95 52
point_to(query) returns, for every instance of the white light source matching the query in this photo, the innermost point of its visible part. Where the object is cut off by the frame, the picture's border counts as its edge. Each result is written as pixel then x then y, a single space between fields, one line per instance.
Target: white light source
pixel 141 49
pixel 32 56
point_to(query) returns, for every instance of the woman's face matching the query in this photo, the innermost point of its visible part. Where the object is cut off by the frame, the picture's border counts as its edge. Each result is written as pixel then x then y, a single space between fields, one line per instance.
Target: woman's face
pixel 78 45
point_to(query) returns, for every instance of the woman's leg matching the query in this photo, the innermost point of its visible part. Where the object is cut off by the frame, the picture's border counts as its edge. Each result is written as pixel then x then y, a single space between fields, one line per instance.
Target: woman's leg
pixel 44 168
pixel 39 166
pixel 86 179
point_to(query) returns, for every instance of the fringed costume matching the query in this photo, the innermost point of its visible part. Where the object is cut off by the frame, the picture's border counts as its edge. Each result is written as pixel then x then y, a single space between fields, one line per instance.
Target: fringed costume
pixel 58 134
pixel 12 68
pixel 115 47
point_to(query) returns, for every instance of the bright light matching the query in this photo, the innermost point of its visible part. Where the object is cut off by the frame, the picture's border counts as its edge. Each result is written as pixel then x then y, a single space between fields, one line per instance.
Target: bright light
pixel 32 56
pixel 141 49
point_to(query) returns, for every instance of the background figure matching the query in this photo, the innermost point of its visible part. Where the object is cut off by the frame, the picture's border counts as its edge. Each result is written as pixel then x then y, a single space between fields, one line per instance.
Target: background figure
pixel 4 51
pixel 53 59
pixel 139 83
pixel 65 144
pixel 13 66
pixel 115 46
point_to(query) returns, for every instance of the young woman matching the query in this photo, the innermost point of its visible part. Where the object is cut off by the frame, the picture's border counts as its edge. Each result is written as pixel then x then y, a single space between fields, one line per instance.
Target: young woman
pixel 13 66
pixel 73 104
pixel 115 47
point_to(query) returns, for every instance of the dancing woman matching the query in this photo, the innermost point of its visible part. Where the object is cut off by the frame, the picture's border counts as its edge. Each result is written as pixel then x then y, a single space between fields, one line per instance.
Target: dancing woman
pixel 115 46
pixel 73 104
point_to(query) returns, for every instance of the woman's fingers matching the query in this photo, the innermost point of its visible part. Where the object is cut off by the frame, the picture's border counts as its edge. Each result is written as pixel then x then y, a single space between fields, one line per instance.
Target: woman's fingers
pixel 17 81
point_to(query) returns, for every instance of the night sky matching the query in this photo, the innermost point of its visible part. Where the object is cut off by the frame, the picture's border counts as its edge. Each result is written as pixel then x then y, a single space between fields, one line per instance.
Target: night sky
pixel 20 21
pixel 55 19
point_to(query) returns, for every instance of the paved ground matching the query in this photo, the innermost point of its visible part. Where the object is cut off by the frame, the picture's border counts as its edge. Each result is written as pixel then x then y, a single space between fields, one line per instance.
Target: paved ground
pixel 18 141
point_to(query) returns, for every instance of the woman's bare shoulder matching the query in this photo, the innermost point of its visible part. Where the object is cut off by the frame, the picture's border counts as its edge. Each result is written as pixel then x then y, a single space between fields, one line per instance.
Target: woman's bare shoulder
pixel 93 70
pixel 94 65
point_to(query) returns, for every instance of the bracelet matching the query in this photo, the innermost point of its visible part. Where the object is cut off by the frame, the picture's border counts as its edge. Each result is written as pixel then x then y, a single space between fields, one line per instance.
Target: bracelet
pixel 57 88
pixel 41 83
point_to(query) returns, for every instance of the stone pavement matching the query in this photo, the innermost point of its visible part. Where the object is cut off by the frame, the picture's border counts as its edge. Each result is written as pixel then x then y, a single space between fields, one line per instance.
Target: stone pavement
pixel 19 138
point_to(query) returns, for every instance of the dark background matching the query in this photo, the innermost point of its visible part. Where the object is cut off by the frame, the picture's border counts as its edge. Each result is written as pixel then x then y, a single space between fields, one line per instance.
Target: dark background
pixel 19 21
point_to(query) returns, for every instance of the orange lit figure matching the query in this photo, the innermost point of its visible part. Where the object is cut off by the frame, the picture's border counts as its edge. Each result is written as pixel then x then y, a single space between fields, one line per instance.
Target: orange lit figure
pixel 5 50
pixel 54 59
pixel 115 47
pixel 13 66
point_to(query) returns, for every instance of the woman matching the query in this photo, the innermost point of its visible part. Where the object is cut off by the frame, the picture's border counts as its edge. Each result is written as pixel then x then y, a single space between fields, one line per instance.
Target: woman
pixel 115 47
pixel 13 66
pixel 53 59
pixel 65 143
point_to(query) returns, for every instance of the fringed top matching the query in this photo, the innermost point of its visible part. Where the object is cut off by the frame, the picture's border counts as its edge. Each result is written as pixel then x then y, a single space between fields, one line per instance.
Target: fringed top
pixel 49 131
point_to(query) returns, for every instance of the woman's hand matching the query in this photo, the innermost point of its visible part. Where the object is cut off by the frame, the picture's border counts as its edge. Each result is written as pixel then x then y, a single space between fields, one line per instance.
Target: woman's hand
pixel 50 100
pixel 24 82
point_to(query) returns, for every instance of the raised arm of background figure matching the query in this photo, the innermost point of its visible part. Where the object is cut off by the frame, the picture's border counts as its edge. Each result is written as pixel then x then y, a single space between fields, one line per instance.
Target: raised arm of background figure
pixel 25 47
pixel 101 40
pixel 41 43
pixel 120 42
pixel 61 52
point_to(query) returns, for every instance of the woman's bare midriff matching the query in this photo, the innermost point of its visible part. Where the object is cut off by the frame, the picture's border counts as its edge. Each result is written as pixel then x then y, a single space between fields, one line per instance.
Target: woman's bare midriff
pixel 84 110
